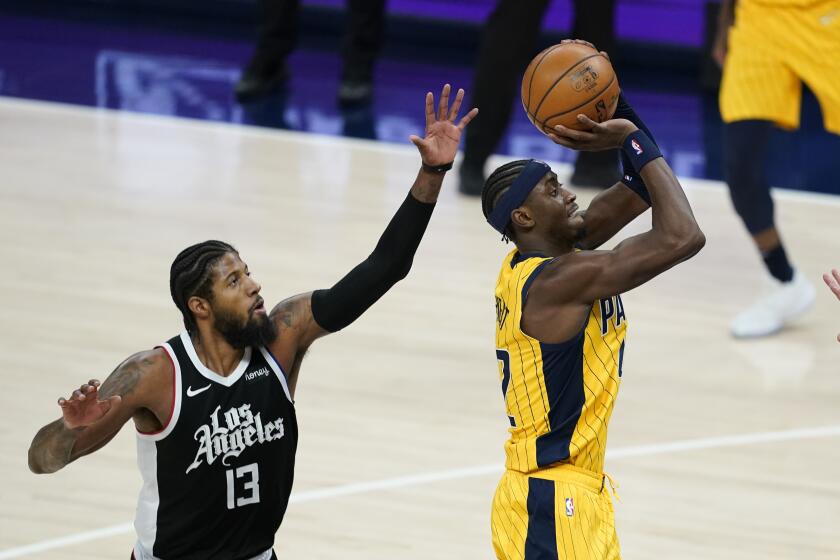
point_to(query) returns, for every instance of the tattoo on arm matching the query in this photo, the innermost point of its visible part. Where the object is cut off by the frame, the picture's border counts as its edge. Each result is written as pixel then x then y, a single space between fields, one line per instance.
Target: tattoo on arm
pixel 124 379
pixel 52 447
pixel 293 313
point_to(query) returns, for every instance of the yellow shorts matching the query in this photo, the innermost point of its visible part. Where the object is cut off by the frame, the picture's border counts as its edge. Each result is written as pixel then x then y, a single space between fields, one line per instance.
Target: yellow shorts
pixel 772 50
pixel 558 513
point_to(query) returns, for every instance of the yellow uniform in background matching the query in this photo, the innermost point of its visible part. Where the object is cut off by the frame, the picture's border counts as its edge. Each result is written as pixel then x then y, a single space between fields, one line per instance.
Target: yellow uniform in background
pixel 552 501
pixel 774 46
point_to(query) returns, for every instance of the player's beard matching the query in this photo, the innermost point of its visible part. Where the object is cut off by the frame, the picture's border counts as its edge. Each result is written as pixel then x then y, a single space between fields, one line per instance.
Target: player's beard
pixel 257 330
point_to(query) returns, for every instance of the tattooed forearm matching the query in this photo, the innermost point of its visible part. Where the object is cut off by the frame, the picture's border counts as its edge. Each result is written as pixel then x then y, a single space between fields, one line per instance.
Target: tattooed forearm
pixel 51 448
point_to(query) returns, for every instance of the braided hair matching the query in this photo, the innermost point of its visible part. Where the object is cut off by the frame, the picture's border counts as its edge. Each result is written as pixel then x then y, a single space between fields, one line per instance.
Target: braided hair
pixel 191 274
pixel 497 184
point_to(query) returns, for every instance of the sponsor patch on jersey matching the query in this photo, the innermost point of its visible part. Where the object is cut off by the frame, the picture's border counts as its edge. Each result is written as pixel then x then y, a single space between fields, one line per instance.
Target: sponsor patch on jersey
pixel 251 375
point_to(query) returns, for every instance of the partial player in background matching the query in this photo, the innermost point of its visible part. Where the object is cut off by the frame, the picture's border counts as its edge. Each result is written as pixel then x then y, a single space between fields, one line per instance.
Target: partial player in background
pixel 833 282
pixel 560 332
pixel 267 71
pixel 768 48
pixel 213 406
pixel 508 42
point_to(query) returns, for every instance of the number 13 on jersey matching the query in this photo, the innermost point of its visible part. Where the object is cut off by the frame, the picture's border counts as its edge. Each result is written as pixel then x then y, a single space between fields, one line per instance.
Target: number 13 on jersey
pixel 504 372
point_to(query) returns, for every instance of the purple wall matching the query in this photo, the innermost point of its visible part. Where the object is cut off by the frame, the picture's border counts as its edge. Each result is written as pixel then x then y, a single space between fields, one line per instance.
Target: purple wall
pixel 676 22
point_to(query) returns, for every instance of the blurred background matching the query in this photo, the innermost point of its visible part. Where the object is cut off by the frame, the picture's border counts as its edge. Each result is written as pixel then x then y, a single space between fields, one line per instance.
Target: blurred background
pixel 184 58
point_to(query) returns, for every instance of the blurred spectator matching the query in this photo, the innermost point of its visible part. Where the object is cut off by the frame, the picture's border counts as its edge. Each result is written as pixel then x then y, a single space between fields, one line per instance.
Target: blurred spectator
pixel 278 29
pixel 508 45
pixel 767 49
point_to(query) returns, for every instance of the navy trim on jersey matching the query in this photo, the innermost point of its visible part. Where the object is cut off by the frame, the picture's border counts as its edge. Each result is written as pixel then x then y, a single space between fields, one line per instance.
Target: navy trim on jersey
pixel 541 541
pixel 531 279
pixel 563 375
pixel 521 257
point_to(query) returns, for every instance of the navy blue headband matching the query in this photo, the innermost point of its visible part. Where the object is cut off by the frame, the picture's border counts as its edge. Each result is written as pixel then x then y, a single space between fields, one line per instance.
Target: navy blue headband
pixel 517 193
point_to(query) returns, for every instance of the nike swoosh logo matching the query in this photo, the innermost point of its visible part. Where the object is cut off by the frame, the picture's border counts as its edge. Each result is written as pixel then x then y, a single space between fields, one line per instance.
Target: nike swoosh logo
pixel 191 393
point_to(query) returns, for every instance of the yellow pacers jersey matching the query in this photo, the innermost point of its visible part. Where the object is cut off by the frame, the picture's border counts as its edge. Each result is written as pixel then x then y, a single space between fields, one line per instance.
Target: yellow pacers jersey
pixel 559 397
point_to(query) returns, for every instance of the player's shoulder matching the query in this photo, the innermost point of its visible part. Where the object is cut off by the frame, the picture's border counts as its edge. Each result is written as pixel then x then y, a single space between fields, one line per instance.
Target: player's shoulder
pixel 141 376
pixel 149 366
pixel 567 274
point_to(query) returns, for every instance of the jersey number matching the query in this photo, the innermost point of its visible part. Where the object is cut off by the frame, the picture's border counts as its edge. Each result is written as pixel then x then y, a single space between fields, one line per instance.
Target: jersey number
pixel 504 359
pixel 251 488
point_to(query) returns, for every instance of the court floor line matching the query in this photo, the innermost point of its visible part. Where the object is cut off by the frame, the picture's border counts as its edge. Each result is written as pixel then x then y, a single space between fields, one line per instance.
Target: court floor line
pixel 452 474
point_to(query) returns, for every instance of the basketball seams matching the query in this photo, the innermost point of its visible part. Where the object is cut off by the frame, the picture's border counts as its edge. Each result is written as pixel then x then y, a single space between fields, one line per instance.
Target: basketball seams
pixel 546 52
pixel 559 79
pixel 595 97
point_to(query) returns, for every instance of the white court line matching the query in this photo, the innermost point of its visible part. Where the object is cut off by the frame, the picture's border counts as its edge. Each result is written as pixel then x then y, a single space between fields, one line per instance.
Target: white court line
pixel 452 474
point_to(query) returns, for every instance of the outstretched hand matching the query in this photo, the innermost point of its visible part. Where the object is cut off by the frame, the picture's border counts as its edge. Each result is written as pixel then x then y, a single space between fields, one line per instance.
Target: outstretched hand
pixel 84 407
pixel 833 282
pixel 599 136
pixel 442 136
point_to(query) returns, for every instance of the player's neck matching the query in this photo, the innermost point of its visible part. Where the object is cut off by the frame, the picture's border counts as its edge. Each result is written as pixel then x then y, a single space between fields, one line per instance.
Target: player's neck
pixel 545 247
pixel 215 352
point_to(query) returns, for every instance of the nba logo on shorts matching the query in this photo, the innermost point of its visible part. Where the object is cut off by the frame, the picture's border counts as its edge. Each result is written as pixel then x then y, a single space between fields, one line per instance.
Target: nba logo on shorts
pixel 636 147
pixel 570 507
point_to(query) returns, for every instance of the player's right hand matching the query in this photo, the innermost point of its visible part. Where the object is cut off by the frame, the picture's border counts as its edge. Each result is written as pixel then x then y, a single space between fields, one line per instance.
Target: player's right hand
pixel 83 408
pixel 833 282
pixel 600 136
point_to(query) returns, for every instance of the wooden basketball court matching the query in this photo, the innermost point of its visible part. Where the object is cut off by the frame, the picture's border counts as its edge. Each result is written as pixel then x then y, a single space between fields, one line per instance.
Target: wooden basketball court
pixel 722 448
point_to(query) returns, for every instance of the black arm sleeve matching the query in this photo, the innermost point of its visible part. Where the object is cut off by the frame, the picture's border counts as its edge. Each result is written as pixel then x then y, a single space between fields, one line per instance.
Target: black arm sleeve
pixel 631 178
pixel 337 307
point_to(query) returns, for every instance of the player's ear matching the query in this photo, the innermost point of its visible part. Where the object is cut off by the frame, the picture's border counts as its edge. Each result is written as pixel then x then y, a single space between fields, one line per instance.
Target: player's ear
pixel 200 307
pixel 522 217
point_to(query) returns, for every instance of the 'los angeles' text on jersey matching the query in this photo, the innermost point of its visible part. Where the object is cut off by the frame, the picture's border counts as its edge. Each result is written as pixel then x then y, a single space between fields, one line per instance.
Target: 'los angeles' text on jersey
pixel 217 478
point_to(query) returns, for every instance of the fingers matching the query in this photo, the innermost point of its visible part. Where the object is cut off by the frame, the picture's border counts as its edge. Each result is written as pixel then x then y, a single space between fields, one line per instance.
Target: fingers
pixel 430 109
pixel 444 102
pixel 833 282
pixel 456 106
pixel 84 392
pixel 605 54
pixel 578 41
pixel 467 118
pixel 109 404
pixel 417 141
pixel 562 141
pixel 586 121
pixel 572 134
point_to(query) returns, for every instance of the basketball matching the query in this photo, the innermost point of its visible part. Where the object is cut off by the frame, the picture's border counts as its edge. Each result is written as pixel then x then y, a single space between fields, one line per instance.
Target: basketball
pixel 566 80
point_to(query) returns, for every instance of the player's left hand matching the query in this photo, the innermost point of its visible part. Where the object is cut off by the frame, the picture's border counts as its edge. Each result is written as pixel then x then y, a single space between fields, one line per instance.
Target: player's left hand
pixel 600 136
pixel 833 282
pixel 440 144
pixel 587 43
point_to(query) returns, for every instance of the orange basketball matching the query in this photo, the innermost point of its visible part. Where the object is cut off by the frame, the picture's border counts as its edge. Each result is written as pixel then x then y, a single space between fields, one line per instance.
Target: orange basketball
pixel 566 80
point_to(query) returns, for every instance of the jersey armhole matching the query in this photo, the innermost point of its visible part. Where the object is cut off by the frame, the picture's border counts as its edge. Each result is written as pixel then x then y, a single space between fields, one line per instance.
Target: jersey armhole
pixel 549 345
pixel 175 408
pixel 274 363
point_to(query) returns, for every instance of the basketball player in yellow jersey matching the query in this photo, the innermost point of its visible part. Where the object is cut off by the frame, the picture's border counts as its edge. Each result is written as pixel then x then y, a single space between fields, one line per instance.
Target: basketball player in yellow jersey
pixel 768 48
pixel 560 327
